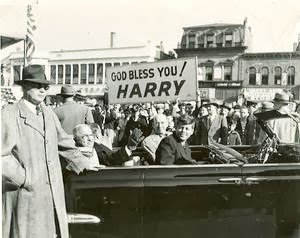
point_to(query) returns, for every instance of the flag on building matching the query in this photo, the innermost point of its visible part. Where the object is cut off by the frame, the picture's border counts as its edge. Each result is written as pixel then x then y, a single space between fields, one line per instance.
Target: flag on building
pixel 30 45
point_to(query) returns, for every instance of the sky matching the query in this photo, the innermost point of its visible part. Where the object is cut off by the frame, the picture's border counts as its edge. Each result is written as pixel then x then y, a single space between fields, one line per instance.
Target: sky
pixel 86 24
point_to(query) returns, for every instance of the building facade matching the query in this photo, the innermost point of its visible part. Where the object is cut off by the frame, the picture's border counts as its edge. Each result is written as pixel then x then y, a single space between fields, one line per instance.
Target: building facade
pixel 217 48
pixel 264 74
pixel 85 69
pixel 227 68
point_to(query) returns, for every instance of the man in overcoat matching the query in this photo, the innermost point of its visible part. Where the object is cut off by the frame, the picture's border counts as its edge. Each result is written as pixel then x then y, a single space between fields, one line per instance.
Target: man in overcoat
pixel 33 203
pixel 70 114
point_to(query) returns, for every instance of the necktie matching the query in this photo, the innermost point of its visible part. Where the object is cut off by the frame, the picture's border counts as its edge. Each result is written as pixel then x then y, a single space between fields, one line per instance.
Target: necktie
pixel 38 110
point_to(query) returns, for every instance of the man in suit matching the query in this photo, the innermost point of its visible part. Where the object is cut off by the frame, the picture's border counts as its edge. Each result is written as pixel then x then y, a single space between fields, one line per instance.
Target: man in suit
pixel 71 113
pixel 212 127
pixel 151 142
pixel 99 154
pixel 174 149
pixel 33 203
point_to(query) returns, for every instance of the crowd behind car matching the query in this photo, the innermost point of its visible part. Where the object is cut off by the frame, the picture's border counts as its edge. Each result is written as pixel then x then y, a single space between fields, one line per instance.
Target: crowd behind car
pixel 215 121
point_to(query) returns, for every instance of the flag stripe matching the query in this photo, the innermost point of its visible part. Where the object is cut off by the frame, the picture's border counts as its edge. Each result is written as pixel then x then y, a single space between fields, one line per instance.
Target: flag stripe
pixel 30 45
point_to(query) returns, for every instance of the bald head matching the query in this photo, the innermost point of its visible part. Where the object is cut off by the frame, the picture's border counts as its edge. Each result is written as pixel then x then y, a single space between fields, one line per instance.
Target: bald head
pixel 83 136
pixel 160 124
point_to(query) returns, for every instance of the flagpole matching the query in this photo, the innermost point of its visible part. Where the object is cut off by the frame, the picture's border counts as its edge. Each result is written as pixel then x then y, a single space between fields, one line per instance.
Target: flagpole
pixel 25 63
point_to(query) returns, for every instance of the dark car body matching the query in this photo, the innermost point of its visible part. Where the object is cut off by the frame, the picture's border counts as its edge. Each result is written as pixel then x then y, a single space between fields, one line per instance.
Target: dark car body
pixel 212 199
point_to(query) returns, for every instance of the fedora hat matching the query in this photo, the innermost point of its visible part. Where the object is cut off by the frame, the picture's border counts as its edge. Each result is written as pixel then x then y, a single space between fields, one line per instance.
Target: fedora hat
pixel 282 98
pixel 33 74
pixel 226 105
pixel 67 90
pixel 267 105
pixel 212 101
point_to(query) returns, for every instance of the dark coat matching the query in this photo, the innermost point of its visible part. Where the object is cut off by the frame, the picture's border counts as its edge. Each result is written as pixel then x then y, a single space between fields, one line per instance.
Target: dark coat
pixel 249 136
pixel 141 123
pixel 31 172
pixel 111 158
pixel 170 151
pixel 217 131
pixel 70 114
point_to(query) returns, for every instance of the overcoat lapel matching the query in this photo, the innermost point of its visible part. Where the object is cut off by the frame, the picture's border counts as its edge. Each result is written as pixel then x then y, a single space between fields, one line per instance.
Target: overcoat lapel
pixel 30 119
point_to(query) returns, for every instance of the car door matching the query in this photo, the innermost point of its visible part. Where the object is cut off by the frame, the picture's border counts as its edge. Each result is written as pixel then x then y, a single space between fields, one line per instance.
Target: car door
pixel 272 190
pixel 114 195
pixel 194 201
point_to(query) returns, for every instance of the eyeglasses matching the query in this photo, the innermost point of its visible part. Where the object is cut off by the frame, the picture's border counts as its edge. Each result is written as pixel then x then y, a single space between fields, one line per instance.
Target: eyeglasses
pixel 39 86
pixel 87 136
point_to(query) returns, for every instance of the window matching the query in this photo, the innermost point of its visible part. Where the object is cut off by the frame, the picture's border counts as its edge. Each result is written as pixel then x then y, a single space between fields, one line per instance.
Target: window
pixel 108 65
pixel 60 74
pixel 117 64
pixel 83 74
pixel 192 39
pixel 209 73
pixel 183 41
pixel 252 76
pixel 264 76
pixel 219 40
pixel 291 75
pixel 99 79
pixel 91 73
pixel 17 73
pixel 228 40
pixel 277 75
pixel 210 41
pixel 53 74
pixel 75 73
pixel 201 41
pixel 228 73
pixel 68 74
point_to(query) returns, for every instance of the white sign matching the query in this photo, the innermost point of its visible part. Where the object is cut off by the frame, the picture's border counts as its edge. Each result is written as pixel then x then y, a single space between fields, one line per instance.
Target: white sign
pixel 260 94
pixel 158 81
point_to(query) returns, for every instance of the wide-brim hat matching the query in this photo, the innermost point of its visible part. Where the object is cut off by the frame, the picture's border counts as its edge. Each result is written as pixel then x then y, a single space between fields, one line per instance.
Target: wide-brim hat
pixel 282 98
pixel 67 90
pixel 33 74
pixel 251 103
pixel 226 105
pixel 212 101
pixel 160 106
pixel 267 105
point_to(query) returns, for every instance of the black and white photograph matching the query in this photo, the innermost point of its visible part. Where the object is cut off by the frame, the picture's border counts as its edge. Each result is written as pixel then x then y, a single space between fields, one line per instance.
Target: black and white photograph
pixel 150 118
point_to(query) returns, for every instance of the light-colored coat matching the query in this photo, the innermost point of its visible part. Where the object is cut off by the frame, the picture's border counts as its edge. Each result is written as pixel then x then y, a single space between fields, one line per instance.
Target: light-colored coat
pixel 31 173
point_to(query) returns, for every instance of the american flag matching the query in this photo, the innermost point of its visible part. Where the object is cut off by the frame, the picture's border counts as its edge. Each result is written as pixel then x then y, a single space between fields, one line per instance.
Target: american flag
pixel 30 46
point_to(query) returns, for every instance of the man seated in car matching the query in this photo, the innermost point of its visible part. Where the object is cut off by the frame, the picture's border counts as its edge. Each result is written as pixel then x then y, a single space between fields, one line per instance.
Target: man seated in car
pixel 99 153
pixel 174 148
pixel 151 142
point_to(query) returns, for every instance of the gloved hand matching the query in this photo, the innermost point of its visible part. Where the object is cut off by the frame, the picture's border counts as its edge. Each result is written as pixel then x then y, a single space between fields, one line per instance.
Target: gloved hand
pixel 136 136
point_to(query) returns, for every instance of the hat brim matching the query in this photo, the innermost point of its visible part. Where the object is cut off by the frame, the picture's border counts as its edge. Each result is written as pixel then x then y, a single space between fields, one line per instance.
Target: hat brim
pixel 212 103
pixel 66 94
pixel 281 101
pixel 222 106
pixel 39 81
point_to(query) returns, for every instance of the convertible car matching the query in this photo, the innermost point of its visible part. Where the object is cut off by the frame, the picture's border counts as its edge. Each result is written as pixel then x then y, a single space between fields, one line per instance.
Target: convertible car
pixel 254 193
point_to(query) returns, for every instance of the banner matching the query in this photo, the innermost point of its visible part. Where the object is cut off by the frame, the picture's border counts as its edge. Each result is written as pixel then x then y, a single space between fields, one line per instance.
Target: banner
pixel 157 81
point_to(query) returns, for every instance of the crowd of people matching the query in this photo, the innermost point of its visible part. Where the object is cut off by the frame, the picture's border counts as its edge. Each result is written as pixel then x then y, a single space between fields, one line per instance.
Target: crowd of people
pixel 87 137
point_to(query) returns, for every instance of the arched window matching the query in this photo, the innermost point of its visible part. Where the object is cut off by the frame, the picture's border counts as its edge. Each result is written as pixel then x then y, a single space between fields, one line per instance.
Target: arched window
pixel 209 73
pixel 264 76
pixel 227 73
pixel 277 75
pixel 252 76
pixel 291 75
